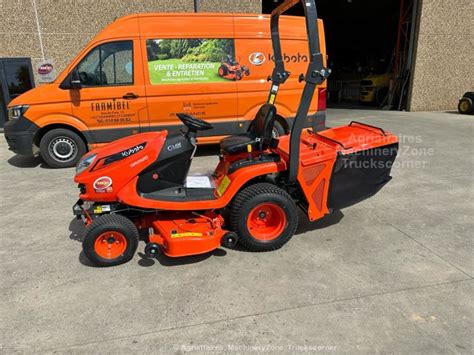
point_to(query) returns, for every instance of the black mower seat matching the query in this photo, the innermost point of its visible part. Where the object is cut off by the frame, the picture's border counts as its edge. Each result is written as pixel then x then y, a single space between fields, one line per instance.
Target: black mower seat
pixel 259 134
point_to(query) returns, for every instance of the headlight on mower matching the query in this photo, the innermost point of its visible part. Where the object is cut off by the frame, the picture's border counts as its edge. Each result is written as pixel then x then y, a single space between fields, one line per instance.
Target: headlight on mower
pixel 84 163
pixel 16 112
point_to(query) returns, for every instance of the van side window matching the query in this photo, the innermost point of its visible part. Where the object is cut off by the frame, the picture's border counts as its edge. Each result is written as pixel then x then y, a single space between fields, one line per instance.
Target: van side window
pixel 109 64
pixel 181 61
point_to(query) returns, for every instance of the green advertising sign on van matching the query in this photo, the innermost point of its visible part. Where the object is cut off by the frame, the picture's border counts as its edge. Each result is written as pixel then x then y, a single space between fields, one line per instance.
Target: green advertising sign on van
pixel 193 61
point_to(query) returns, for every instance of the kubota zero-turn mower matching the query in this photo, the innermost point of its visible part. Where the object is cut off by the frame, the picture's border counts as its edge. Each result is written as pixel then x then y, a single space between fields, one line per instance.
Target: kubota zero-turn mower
pixel 232 70
pixel 141 183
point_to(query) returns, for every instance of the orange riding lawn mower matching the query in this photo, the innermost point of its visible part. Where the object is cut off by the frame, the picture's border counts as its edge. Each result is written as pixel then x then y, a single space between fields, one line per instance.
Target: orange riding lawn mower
pixel 232 70
pixel 141 183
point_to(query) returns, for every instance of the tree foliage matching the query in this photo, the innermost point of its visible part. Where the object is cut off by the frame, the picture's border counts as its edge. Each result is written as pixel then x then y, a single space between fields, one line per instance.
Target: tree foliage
pixel 190 50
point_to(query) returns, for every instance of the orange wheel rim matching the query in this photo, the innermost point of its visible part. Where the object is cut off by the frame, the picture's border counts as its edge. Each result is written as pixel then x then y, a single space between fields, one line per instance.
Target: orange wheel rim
pixel 221 71
pixel 110 245
pixel 266 221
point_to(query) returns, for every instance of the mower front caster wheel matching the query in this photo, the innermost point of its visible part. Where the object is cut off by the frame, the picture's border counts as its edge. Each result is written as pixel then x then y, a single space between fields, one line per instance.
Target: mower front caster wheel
pixel 264 216
pixel 110 240
pixel 229 240
pixel 152 250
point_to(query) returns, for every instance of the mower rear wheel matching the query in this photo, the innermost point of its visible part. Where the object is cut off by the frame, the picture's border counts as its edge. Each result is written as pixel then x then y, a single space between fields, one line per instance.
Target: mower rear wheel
pixel 264 216
pixel 110 240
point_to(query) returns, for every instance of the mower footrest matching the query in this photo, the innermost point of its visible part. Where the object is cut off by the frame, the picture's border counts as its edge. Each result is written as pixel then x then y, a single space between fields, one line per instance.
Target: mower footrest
pixel 181 194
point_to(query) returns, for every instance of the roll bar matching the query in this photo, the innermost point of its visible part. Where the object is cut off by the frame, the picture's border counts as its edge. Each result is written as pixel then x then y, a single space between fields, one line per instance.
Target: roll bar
pixel 315 75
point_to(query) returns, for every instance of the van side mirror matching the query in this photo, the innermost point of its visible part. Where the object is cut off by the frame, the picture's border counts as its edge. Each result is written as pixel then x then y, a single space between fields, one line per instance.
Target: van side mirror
pixel 75 80
pixel 72 81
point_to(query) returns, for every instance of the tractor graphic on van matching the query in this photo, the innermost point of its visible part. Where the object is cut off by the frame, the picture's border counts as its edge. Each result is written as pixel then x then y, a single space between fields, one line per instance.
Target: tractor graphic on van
pixel 232 70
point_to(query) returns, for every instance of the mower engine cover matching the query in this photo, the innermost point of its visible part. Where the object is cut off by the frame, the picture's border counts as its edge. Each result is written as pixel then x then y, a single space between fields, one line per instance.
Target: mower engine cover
pixel 116 164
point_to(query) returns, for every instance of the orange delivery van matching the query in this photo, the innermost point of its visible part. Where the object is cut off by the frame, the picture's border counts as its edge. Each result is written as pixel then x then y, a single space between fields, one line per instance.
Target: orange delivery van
pixel 142 69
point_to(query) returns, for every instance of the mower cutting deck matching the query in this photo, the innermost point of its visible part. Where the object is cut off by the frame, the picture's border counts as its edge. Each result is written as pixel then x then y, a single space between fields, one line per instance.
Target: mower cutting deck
pixel 141 183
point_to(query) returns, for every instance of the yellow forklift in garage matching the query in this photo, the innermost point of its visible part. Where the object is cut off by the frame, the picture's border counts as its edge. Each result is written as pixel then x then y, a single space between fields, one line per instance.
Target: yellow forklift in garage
pixel 375 88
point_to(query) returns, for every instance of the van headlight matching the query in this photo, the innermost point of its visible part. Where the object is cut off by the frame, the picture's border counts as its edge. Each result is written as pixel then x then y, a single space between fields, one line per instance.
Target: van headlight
pixel 84 163
pixel 16 112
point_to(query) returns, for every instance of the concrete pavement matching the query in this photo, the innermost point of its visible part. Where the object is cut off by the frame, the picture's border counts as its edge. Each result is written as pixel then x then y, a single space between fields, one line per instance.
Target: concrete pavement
pixel 392 274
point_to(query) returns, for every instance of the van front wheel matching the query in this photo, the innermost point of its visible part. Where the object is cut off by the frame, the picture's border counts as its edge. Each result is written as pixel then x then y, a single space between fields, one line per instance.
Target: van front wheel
pixel 62 148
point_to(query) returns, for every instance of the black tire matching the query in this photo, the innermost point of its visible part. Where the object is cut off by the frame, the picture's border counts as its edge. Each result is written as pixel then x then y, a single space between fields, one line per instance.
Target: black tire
pixel 123 228
pixel 62 148
pixel 223 69
pixel 278 129
pixel 465 106
pixel 246 203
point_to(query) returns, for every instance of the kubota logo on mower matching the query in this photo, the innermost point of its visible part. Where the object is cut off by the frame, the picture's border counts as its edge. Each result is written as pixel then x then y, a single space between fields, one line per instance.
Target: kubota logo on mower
pixel 133 150
pixel 257 58
pixel 102 183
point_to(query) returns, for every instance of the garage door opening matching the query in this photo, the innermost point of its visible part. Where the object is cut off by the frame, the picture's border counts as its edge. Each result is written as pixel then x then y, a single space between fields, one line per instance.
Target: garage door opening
pixel 370 50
